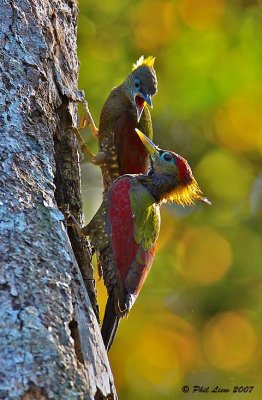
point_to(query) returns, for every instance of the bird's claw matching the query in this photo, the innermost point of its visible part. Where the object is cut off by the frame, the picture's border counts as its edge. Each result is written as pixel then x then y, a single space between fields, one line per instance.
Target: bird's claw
pixel 70 220
pixel 82 144
pixel 87 120
pixel 102 157
pixel 64 208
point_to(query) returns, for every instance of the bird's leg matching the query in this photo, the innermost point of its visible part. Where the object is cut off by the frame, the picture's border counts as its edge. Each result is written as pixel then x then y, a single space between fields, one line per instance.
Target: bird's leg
pixel 101 157
pixel 71 221
pixel 82 144
pixel 81 231
pixel 87 119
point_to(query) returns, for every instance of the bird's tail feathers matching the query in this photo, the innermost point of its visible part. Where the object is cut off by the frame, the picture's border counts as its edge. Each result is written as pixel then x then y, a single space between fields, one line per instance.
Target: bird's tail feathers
pixel 110 323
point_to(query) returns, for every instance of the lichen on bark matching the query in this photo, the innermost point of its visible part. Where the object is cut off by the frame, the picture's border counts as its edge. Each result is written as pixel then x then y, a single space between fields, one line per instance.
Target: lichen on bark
pixel 43 299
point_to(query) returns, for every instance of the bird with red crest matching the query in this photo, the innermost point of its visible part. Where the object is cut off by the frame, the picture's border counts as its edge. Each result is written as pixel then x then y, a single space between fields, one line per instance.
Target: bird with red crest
pixel 125 229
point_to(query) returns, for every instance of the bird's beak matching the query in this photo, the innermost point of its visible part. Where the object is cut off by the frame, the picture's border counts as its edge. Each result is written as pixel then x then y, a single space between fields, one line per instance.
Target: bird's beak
pixel 149 145
pixel 148 99
pixel 140 99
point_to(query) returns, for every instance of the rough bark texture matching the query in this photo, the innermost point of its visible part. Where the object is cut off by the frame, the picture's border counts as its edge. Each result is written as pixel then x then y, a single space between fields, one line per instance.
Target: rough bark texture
pixel 50 343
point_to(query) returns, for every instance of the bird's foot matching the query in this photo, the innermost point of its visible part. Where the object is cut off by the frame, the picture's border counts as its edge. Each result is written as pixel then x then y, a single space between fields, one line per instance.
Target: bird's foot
pixel 70 220
pixel 102 157
pixel 83 146
pixel 64 208
pixel 124 308
pixel 87 120
pixel 130 299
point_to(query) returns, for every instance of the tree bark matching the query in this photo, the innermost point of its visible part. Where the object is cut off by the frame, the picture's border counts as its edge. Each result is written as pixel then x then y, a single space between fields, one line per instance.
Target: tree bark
pixel 50 342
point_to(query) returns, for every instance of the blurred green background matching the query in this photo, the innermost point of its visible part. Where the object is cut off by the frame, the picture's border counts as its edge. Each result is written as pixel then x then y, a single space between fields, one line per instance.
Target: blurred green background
pixel 198 318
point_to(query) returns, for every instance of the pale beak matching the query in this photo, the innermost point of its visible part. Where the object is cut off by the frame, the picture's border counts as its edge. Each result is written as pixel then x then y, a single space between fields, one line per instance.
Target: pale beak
pixel 148 99
pixel 149 145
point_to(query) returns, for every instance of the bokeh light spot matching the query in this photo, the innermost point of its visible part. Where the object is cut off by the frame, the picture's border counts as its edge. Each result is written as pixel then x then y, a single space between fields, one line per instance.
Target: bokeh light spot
pixel 239 124
pixel 154 24
pixel 204 255
pixel 174 346
pixel 105 48
pixel 208 64
pixel 201 14
pixel 162 369
pixel 168 233
pixel 229 341
pixel 224 176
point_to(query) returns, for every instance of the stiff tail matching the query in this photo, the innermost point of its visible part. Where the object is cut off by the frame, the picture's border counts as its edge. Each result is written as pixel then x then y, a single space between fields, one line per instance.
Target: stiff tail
pixel 110 323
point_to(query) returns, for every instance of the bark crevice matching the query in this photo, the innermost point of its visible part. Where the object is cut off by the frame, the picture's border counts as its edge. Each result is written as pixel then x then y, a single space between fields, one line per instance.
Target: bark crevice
pixel 68 195
pixel 73 326
pixel 41 287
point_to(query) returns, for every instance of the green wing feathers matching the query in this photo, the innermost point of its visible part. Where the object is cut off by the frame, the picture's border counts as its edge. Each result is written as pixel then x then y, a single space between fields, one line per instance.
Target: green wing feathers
pixel 147 216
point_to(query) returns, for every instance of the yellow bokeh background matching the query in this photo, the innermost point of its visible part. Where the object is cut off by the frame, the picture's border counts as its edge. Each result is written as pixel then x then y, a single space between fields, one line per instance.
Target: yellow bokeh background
pixel 229 341
pixel 197 320
pixel 195 250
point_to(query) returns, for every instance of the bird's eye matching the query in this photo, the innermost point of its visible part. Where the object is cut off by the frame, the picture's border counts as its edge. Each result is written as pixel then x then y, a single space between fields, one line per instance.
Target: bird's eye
pixel 137 83
pixel 166 156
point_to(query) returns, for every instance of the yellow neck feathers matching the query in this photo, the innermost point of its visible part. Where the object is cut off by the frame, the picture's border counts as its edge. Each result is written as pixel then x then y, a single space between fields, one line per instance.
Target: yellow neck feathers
pixel 185 195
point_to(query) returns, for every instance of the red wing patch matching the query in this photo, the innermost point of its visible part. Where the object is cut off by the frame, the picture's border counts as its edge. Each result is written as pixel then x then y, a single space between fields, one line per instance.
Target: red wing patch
pixel 139 270
pixel 132 261
pixel 121 223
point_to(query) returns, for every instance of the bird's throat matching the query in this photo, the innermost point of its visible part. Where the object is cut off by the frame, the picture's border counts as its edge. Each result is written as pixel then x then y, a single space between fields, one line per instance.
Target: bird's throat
pixel 183 194
pixel 168 189
pixel 140 103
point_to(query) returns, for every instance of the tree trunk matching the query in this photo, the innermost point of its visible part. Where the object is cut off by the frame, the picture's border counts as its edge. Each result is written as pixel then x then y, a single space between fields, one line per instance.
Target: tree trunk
pixel 50 342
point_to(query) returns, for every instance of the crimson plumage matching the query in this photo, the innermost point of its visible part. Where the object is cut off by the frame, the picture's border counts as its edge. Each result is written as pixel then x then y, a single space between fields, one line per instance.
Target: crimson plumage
pixel 125 229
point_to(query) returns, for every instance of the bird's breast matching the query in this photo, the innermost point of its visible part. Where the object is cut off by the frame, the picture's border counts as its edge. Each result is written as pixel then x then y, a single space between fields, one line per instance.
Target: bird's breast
pixel 131 153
